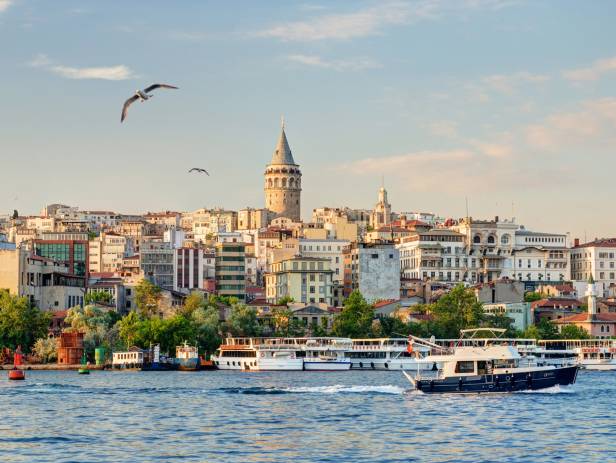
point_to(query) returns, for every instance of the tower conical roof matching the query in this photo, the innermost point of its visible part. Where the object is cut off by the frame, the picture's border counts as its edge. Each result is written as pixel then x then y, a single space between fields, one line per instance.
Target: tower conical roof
pixel 282 154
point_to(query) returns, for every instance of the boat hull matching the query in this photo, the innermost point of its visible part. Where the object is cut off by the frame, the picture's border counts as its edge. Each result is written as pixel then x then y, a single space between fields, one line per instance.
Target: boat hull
pixel 315 365
pixel 189 364
pixel 598 366
pixel 518 381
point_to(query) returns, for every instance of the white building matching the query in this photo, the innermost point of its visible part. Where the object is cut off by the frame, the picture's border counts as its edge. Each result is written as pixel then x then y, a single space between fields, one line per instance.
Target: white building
pixel 597 259
pixel 539 257
pixel 438 255
pixel 107 252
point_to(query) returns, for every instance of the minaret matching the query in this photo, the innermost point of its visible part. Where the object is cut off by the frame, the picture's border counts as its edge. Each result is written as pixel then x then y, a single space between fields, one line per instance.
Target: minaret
pixel 283 181
pixel 591 294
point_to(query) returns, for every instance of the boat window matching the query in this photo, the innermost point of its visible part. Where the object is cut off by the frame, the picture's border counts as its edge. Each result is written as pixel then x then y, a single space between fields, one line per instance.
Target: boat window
pixel 481 368
pixel 465 367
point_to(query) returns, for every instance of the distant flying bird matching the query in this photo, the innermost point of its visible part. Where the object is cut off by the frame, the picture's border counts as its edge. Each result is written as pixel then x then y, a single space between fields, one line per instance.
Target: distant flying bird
pixel 142 95
pixel 201 171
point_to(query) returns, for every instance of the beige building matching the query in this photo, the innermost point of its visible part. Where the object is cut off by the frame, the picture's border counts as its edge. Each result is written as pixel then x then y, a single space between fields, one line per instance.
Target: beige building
pixel 381 214
pixel 283 182
pixel 46 283
pixel 107 252
pixel 305 279
pixel 252 219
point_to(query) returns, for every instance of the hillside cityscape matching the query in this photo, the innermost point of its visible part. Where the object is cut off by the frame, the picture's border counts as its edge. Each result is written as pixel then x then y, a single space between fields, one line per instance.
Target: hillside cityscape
pixel 266 258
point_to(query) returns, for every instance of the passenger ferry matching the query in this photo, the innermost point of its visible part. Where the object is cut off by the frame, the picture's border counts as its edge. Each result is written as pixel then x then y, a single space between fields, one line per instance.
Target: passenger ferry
pixel 388 354
pixel 489 367
pixel 591 354
pixel 257 354
pixel 325 354
pixel 542 356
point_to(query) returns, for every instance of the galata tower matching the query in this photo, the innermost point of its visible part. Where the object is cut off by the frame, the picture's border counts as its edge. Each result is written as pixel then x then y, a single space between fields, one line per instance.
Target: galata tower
pixel 283 184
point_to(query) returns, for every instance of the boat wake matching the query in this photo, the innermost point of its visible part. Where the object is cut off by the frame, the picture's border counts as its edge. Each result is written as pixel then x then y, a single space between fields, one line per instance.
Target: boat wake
pixel 558 389
pixel 335 389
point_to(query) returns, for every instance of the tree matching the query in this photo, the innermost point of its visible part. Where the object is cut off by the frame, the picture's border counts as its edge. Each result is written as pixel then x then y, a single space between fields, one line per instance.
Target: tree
pixel 95 324
pixel 243 321
pixel 545 329
pixel 21 323
pixel 457 310
pixel 147 297
pixel 531 296
pixel 194 301
pixel 207 322
pixel 573 332
pixel 355 319
pixel 102 297
pixel 15 215
pixel 387 327
pixel 46 349
pixel 128 328
pixel 285 300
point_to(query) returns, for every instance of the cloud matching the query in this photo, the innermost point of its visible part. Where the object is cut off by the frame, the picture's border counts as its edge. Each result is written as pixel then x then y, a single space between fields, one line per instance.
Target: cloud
pixel 506 83
pixel 119 72
pixel 372 20
pixel 593 123
pixel 593 72
pixel 4 5
pixel 356 64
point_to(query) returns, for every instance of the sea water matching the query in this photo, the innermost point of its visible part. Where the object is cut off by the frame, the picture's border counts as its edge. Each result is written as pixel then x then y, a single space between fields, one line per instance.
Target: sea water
pixel 296 417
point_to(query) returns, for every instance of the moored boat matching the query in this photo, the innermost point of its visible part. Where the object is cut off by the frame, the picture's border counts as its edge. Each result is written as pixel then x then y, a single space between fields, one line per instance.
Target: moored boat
pixel 490 367
pixel 388 354
pixel 257 354
pixel 326 354
pixel 187 357
pixel 591 354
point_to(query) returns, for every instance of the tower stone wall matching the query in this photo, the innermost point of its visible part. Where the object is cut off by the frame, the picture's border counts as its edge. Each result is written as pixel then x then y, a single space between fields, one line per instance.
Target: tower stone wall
pixel 283 182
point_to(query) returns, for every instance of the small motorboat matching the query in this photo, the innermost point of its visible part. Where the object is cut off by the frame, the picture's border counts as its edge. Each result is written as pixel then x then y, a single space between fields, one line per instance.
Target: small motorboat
pixel 489 366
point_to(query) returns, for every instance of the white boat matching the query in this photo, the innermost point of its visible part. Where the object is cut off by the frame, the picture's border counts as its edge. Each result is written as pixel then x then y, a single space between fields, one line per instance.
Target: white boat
pixel 487 367
pixel 388 354
pixel 591 354
pixel 326 354
pixel 542 356
pixel 257 354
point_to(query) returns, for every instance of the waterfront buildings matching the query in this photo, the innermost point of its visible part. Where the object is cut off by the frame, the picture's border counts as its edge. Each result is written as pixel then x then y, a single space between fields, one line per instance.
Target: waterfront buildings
pixel 596 259
pixel 304 279
pixel 67 248
pixel 231 269
pixel 438 254
pixel 283 182
pixel 156 260
pixel 373 269
pixel 48 284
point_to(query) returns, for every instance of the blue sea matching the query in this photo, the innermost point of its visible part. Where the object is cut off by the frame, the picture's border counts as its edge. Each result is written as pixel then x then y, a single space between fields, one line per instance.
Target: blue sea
pixel 295 417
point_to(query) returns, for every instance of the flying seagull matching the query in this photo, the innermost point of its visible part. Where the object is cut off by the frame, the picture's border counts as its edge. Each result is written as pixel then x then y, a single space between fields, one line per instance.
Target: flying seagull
pixel 141 95
pixel 201 171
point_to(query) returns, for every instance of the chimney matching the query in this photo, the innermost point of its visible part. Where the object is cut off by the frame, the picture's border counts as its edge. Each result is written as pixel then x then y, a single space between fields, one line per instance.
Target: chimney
pixel 576 242
pixel 496 219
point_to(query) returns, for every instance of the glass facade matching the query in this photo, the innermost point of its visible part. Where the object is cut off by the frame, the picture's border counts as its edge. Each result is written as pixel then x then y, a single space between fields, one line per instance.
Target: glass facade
pixel 69 252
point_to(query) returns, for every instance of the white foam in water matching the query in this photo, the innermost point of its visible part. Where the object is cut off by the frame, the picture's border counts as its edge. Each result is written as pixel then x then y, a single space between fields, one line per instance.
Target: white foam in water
pixel 558 389
pixel 340 388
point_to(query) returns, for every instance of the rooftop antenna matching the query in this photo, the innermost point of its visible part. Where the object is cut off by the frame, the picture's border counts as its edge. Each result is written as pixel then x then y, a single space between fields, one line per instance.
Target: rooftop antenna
pixel 466 199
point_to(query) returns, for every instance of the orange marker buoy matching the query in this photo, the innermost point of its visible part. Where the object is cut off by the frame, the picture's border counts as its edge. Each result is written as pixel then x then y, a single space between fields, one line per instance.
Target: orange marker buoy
pixel 17 375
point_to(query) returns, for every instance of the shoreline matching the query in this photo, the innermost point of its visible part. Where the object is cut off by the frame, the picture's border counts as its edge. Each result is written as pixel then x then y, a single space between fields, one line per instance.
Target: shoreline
pixel 51 367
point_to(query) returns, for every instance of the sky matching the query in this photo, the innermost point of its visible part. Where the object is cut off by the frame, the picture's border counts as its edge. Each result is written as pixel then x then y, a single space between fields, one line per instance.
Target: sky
pixel 508 103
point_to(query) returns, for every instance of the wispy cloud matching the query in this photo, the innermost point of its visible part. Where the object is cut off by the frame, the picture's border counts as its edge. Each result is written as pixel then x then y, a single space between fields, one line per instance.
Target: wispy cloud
pixel 591 124
pixel 362 23
pixel 119 72
pixel 593 72
pixel 506 83
pixel 354 64
pixel 373 20
pixel 4 4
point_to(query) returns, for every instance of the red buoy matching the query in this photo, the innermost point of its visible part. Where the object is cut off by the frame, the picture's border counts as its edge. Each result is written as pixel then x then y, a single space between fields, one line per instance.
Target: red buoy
pixel 17 375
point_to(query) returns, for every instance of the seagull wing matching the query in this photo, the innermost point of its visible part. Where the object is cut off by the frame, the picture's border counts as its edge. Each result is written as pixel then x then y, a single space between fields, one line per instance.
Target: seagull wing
pixel 155 86
pixel 127 103
pixel 208 174
pixel 193 169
